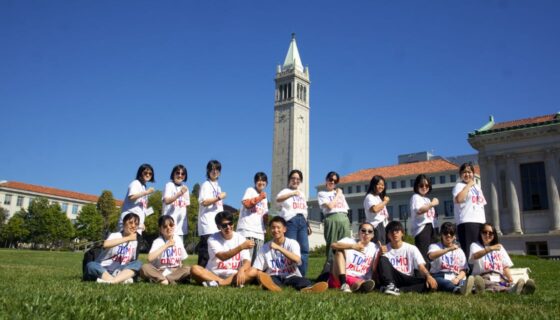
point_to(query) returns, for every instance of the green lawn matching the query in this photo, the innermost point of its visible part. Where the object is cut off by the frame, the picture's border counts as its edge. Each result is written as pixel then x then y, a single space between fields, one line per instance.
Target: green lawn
pixel 39 284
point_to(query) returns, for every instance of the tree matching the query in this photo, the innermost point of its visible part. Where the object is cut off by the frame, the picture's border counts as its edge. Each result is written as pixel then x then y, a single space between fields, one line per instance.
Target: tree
pixel 196 190
pixel 192 217
pixel 3 216
pixel 14 231
pixel 108 209
pixel 47 224
pixel 152 230
pixel 90 224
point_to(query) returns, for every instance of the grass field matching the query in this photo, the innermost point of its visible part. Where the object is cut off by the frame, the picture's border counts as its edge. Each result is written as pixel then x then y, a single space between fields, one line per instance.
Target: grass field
pixel 39 284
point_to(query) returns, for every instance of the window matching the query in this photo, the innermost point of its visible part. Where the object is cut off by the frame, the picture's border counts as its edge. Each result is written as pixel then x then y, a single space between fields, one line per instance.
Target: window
pixel 433 180
pixel 453 178
pixel 403 184
pixel 393 184
pixel 350 216
pixel 358 189
pixel 412 183
pixel 30 201
pixel 64 207
pixel 448 208
pixel 349 189
pixel 365 188
pixel 403 211
pixel 442 179
pixel 8 199
pixel 390 211
pixel 533 184
pixel 19 202
pixel 361 215
pixel 537 248
pixel 74 209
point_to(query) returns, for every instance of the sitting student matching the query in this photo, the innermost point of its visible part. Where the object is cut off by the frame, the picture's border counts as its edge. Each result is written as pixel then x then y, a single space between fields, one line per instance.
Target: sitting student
pixel 166 256
pixel 491 263
pixel 229 259
pixel 278 260
pixel 117 263
pixel 399 262
pixel 354 262
pixel 449 264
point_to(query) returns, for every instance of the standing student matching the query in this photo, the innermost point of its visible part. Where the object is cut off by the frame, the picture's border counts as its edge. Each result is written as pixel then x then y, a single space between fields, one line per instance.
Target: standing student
pixel 254 213
pixel 210 203
pixel 294 211
pixel 136 199
pixel 468 207
pixel 335 210
pixel 118 262
pixel 375 206
pixel 423 214
pixel 166 256
pixel 176 199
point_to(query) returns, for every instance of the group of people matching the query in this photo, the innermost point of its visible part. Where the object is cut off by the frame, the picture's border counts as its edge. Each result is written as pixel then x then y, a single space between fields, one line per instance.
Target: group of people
pixel 377 259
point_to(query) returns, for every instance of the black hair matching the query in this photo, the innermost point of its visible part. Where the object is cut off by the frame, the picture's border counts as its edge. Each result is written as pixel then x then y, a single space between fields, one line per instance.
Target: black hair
pixel 260 176
pixel 213 164
pixel 331 174
pixel 163 219
pixel 177 168
pixel 295 171
pixel 495 240
pixel 447 227
pixel 466 165
pixel 366 224
pixel 373 184
pixel 130 216
pixel 223 215
pixel 277 219
pixel 418 181
pixel 141 169
pixel 393 226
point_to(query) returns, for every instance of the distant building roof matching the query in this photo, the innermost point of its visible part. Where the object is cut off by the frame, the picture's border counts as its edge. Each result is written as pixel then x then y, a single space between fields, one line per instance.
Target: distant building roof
pixel 492 127
pixel 406 169
pixel 53 191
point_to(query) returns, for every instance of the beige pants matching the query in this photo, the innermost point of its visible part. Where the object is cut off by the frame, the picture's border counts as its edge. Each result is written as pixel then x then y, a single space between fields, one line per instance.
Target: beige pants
pixel 152 274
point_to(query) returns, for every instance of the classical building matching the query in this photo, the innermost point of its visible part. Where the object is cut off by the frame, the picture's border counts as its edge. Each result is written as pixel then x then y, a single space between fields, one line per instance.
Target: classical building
pixel 17 195
pixel 291 122
pixel 520 165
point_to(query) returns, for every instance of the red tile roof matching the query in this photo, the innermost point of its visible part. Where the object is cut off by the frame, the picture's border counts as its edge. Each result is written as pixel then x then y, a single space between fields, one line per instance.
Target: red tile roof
pixel 524 122
pixel 407 169
pixel 53 191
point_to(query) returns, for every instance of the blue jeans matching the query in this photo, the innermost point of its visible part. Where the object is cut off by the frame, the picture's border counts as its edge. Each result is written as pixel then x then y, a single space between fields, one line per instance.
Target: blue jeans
pixel 446 285
pixel 95 270
pixel 297 230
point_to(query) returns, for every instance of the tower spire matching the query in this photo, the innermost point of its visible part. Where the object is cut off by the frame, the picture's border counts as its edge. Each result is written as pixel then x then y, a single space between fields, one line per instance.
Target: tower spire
pixel 293 61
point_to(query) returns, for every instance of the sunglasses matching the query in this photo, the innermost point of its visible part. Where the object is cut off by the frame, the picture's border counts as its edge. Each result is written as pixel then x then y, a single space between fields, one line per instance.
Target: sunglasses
pixel 167 226
pixel 423 186
pixel 147 173
pixel 180 173
pixel 226 224
pixel 333 180
pixel 366 231
pixel 487 233
pixel 451 234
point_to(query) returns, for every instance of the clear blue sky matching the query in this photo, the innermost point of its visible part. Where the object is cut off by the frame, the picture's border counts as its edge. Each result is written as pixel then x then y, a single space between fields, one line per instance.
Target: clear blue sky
pixel 89 90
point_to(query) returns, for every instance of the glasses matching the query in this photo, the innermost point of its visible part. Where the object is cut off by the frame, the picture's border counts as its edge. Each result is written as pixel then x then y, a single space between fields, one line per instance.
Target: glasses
pixel 395 230
pixel 449 234
pixel 167 226
pixel 423 186
pixel 147 173
pixel 226 224
pixel 295 179
pixel 333 180
pixel 180 173
pixel 487 233
pixel 366 231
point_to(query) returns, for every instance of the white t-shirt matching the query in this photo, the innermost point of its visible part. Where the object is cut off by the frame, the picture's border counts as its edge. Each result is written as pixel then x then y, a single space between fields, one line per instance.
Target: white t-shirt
pixel 170 257
pixel 137 206
pixel 217 244
pixel 451 262
pixel 275 263
pixel 293 205
pixel 405 259
pixel 472 210
pixel 326 197
pixel 494 261
pixel 178 208
pixel 359 264
pixel 206 215
pixel 420 220
pixel 381 216
pixel 121 254
pixel 251 222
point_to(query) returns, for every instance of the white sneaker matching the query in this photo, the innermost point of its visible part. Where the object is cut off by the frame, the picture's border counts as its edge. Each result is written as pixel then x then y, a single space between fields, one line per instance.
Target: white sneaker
pixel 392 290
pixel 345 288
pixel 467 286
pixel 210 284
pixel 518 287
pixel 99 280
pixel 128 281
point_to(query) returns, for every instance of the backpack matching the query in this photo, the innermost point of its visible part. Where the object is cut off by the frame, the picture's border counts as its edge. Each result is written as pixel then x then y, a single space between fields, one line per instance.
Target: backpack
pixel 90 255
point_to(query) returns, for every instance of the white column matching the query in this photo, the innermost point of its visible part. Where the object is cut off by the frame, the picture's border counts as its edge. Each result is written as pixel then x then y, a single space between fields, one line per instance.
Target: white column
pixel 511 187
pixel 551 171
pixel 493 192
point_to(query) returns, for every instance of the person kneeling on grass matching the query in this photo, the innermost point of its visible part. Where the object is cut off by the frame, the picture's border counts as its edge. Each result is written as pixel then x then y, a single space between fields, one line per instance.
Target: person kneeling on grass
pixel 278 260
pixel 400 262
pixel 166 256
pixel 118 262
pixel 354 262
pixel 229 258
pixel 449 264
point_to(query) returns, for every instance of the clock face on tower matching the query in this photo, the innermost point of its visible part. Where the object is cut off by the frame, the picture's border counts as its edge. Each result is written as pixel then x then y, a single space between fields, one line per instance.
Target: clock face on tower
pixel 282 118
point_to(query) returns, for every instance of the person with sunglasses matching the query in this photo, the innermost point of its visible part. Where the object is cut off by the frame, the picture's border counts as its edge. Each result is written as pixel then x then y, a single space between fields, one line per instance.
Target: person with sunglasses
pixel 491 262
pixel 399 264
pixel 449 264
pixel 335 210
pixel 166 256
pixel 375 206
pixel 176 199
pixel 136 199
pixel 293 208
pixel 254 213
pixel 423 214
pixel 468 207
pixel 229 259
pixel 355 262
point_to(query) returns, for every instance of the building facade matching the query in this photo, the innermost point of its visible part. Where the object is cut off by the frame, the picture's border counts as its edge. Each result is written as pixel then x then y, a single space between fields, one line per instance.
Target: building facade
pixel 520 165
pixel 291 122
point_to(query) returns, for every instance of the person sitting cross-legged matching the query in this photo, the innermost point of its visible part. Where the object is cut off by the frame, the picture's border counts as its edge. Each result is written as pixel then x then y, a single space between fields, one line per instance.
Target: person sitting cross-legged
pixel 229 259
pixel 399 262
pixel 355 261
pixel 278 260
